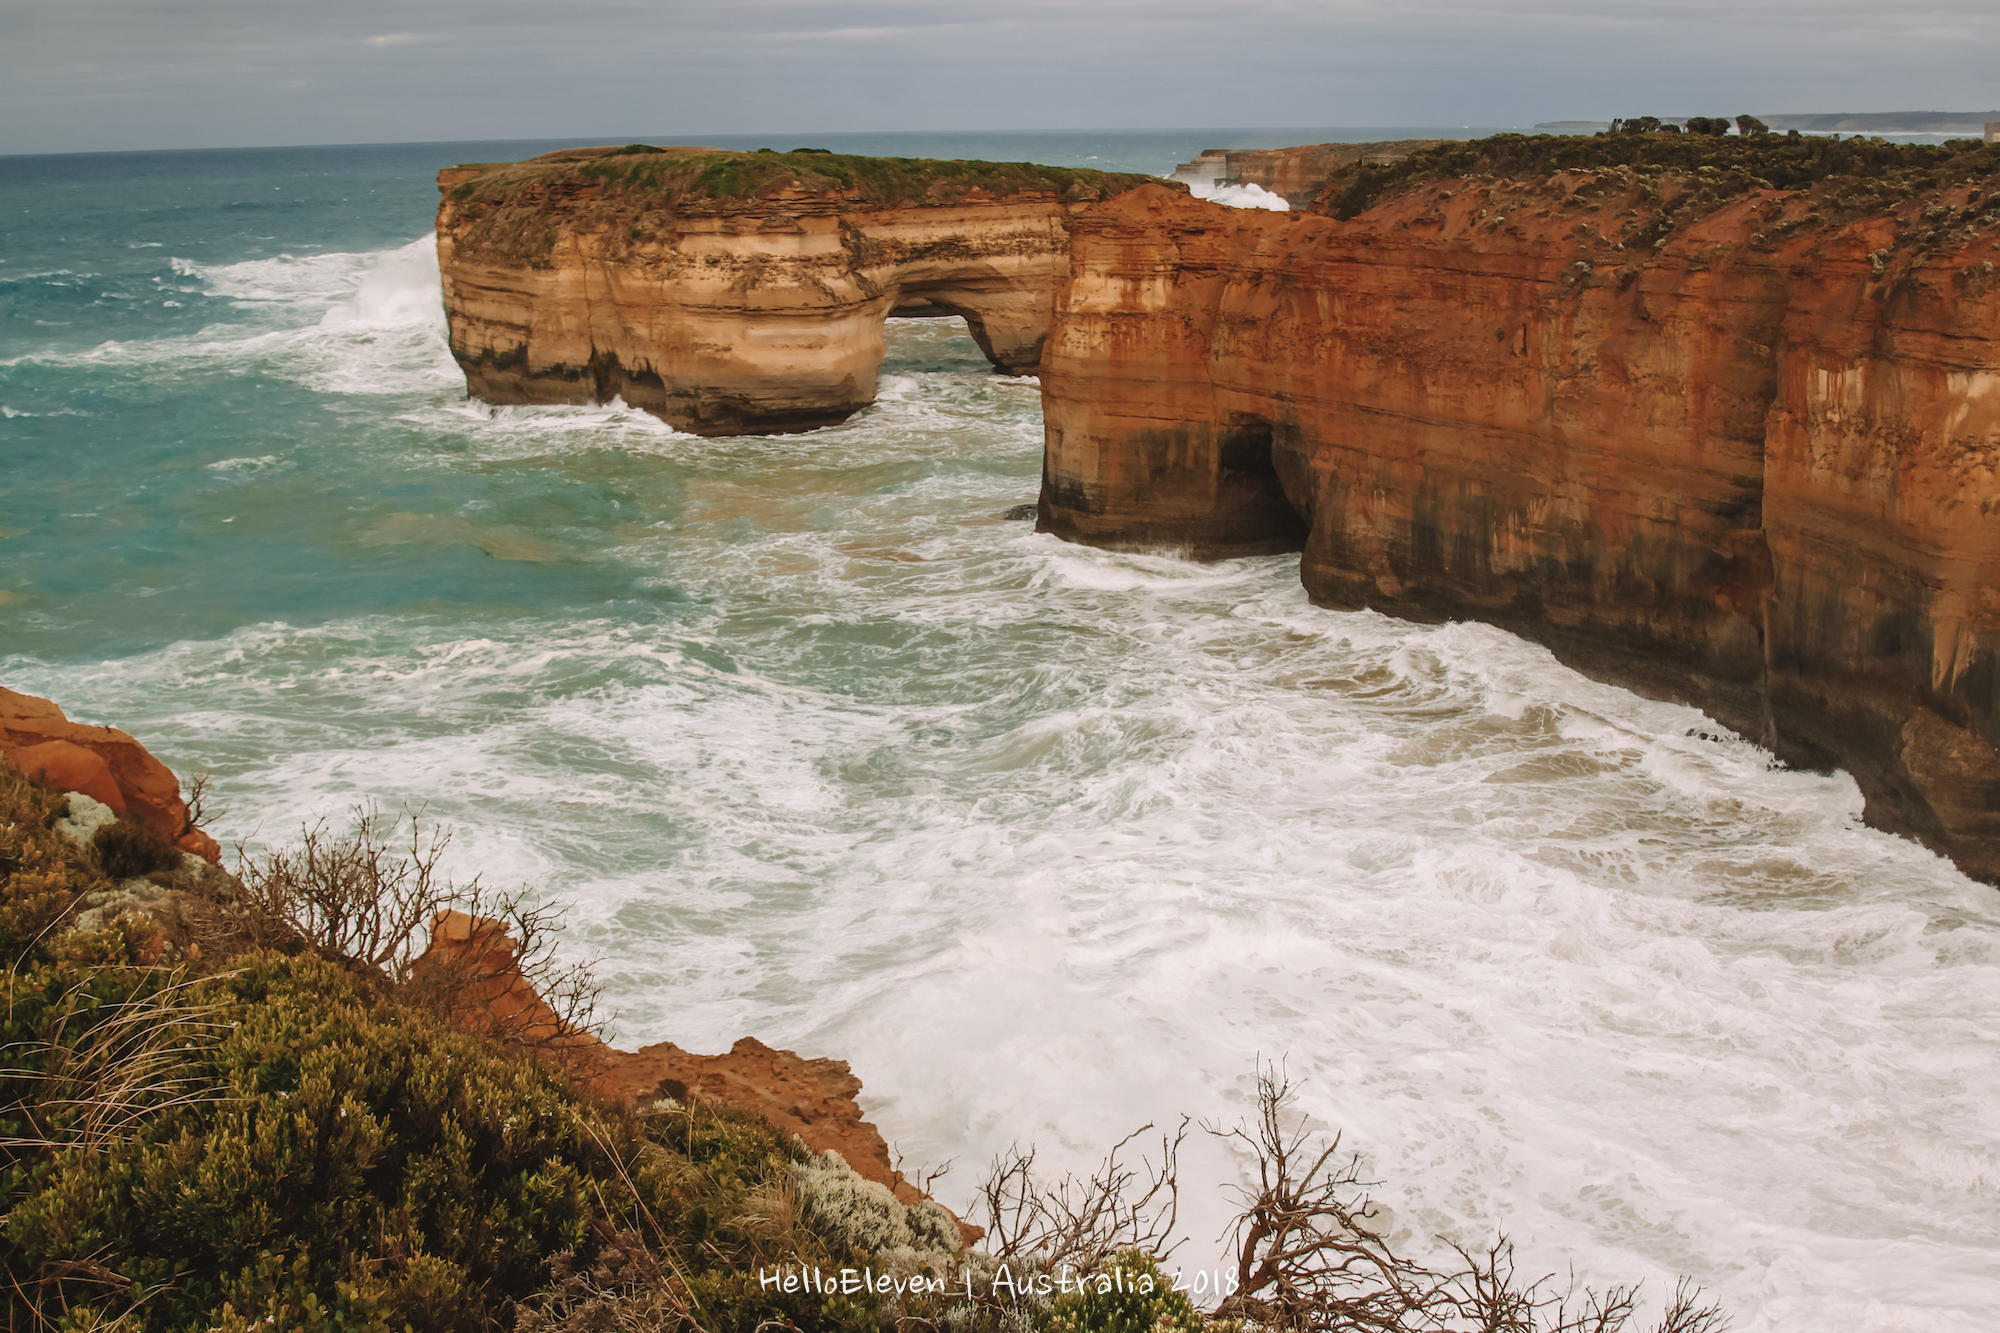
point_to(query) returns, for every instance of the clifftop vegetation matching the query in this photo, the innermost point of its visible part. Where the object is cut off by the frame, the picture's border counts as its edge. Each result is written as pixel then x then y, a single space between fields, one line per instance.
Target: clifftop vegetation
pixel 677 178
pixel 1892 171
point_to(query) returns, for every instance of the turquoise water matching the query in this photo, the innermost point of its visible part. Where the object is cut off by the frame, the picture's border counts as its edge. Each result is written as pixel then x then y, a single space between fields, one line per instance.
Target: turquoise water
pixel 1047 842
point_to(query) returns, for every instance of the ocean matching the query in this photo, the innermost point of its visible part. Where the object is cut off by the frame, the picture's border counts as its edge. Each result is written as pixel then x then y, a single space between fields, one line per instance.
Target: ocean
pixel 815 745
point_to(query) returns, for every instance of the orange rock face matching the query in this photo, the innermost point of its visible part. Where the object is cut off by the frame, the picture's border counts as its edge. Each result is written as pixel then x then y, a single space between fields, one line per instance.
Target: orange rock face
pixel 1745 460
pixel 813 1099
pixel 100 762
pixel 724 314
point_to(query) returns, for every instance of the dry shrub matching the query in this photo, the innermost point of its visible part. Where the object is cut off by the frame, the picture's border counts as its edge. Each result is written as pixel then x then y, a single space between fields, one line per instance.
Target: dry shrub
pixel 129 850
pixel 1309 1256
pixel 370 898
pixel 358 897
pixel 506 979
pixel 1083 1221
pixel 625 1289
pixel 199 791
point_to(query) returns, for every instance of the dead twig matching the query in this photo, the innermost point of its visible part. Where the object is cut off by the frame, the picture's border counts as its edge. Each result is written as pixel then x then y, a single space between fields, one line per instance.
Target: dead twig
pixel 1082 1221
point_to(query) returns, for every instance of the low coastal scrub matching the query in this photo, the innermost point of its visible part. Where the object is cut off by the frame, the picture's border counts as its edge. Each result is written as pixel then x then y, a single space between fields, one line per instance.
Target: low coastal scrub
pixel 1892 170
pixel 669 179
pixel 226 1105
pixel 637 191
pixel 886 181
pixel 267 1133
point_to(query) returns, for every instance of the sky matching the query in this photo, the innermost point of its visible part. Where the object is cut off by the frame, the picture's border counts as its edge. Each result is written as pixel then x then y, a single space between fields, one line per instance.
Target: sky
pixel 88 75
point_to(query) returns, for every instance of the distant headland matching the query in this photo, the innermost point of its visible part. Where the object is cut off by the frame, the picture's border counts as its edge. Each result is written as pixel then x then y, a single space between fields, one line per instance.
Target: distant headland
pixel 1968 123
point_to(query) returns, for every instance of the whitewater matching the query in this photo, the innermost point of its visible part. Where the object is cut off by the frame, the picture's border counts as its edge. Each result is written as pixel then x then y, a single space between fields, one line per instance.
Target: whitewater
pixel 815 744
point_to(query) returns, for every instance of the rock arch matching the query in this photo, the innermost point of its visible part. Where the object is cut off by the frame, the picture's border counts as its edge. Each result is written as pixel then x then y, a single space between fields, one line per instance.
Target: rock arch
pixel 751 313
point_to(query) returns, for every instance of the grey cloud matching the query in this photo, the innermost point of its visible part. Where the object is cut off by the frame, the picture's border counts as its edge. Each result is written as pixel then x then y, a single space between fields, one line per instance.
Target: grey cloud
pixel 88 74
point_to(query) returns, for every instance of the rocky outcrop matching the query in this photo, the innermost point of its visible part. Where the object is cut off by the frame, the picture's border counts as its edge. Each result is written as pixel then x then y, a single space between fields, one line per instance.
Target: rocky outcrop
pixel 475 960
pixel 102 763
pixel 733 293
pixel 1724 442
pixel 1296 173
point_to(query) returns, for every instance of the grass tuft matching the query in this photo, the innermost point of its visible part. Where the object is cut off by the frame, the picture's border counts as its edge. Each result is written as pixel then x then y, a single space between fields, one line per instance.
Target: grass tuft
pixel 128 850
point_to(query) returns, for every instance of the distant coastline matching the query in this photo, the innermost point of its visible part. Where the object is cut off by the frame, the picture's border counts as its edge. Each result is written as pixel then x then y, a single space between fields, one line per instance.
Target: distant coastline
pixel 1837 122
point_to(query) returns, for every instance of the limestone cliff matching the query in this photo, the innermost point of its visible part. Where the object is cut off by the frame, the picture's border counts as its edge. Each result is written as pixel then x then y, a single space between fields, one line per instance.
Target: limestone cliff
pixel 731 293
pixel 1724 441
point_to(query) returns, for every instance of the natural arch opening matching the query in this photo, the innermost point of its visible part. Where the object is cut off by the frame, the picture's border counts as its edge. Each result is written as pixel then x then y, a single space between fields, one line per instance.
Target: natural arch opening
pixel 1008 319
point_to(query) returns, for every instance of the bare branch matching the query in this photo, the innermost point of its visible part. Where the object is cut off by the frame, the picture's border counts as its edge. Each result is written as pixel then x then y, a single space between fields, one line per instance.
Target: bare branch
pixel 1684 1316
pixel 1310 1255
pixel 1083 1221
pixel 199 789
pixel 1307 1252
pixel 356 898
pixel 492 966
pixel 374 898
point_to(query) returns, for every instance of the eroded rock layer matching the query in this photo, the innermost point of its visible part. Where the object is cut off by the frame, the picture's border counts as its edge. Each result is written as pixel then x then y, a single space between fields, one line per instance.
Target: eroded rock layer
pixel 1724 442
pixel 104 764
pixel 478 963
pixel 730 293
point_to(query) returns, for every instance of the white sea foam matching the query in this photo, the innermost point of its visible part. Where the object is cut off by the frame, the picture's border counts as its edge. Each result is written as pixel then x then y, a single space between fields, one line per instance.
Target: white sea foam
pixel 376 324
pixel 398 288
pixel 1247 195
pixel 310 280
pixel 1049 842
pixel 249 466
pixel 534 430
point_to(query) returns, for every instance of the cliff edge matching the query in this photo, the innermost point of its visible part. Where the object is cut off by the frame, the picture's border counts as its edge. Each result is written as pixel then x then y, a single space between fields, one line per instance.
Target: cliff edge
pixel 1717 420
pixel 1300 173
pixel 736 293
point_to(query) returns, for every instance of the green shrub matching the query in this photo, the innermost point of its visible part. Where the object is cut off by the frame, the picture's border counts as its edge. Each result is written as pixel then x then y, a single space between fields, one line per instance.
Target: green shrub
pixel 129 850
pixel 42 873
pixel 1130 1296
pixel 349 1162
pixel 283 1145
pixel 865 1217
